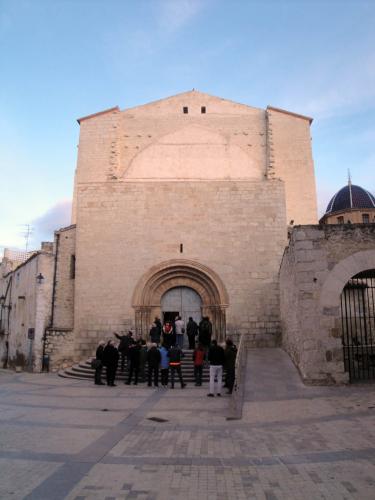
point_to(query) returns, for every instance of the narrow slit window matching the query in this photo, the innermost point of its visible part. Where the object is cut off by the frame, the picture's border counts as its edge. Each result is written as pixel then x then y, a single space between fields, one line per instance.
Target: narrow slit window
pixel 203 110
pixel 185 110
pixel 72 267
pixel 181 248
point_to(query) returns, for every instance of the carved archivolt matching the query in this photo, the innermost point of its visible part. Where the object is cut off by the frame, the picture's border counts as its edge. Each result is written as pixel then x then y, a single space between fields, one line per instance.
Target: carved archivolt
pixel 180 272
pixel 175 273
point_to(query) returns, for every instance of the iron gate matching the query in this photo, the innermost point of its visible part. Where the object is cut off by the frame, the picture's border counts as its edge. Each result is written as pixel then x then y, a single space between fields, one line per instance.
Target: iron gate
pixel 358 326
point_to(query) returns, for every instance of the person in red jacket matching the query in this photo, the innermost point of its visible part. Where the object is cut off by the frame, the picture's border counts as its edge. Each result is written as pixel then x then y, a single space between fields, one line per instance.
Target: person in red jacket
pixel 198 358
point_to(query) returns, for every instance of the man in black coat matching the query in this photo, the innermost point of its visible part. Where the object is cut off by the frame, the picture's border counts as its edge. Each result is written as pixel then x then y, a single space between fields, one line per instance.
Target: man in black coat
pixel 230 352
pixel 155 334
pixel 125 342
pixel 192 332
pixel 99 363
pixel 205 332
pixel 216 358
pixel 153 361
pixel 134 358
pixel 110 361
pixel 175 354
pixel 158 324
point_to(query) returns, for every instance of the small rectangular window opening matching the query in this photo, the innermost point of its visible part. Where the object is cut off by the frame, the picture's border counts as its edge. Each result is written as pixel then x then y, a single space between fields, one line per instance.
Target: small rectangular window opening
pixel 365 218
pixel 340 220
pixel 72 267
pixel 185 109
pixel 203 110
pixel 181 248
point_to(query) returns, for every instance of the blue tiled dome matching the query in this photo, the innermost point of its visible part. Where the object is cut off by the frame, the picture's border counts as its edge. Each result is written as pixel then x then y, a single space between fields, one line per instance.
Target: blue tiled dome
pixel 350 196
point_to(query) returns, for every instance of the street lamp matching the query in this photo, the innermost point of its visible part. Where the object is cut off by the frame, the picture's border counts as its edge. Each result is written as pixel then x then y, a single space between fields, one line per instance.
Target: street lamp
pixel 40 278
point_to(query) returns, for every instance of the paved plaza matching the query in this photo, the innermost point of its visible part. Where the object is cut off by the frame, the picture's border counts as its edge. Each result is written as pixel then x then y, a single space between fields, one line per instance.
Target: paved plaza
pixel 69 439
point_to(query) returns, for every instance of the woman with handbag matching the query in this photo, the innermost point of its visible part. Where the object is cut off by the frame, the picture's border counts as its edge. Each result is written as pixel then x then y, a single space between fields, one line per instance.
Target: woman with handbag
pixel 98 363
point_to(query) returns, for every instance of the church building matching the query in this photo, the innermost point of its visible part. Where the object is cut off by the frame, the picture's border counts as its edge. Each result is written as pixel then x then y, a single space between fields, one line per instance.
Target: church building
pixel 180 206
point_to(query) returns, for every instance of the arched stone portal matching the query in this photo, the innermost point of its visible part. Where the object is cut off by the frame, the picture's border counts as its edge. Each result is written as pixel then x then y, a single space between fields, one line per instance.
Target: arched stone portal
pixel 333 326
pixel 180 273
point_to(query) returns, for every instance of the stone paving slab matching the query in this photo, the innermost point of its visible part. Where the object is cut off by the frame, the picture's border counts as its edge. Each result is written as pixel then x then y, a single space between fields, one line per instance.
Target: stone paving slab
pixel 294 442
pixel 207 482
pixel 73 418
pixel 19 477
pixel 14 437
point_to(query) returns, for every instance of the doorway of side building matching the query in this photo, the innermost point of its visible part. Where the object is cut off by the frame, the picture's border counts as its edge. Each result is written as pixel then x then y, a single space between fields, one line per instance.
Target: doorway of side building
pixel 182 301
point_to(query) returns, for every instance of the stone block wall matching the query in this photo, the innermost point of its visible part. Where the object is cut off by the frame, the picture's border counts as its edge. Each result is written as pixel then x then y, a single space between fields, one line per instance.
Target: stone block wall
pixel 59 347
pixel 290 159
pixel 237 229
pixel 317 264
pixel 63 307
pixel 158 141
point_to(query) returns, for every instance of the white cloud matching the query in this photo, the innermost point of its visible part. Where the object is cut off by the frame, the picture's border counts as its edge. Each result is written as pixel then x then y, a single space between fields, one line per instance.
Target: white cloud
pixel 334 87
pixel 54 218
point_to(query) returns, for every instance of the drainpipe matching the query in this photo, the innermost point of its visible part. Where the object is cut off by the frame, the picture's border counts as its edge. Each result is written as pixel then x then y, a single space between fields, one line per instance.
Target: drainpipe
pixel 3 306
pixel 45 362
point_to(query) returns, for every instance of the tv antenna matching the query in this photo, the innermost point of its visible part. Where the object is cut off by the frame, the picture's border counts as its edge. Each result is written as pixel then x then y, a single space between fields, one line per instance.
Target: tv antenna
pixel 28 231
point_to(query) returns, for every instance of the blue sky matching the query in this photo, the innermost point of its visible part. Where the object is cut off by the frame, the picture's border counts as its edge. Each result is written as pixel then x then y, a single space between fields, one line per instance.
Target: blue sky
pixel 63 59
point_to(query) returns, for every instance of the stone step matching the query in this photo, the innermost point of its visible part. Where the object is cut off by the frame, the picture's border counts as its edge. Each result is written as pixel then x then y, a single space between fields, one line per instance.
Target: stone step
pixel 83 370
pixel 88 372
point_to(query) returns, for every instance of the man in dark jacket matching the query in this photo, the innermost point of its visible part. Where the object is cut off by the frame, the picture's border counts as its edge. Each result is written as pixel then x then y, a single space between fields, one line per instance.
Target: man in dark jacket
pixel 230 352
pixel 158 324
pixel 134 358
pixel 205 332
pixel 142 361
pixel 155 334
pixel 110 361
pixel 153 360
pixel 175 365
pixel 192 331
pixel 125 342
pixel 99 363
pixel 216 357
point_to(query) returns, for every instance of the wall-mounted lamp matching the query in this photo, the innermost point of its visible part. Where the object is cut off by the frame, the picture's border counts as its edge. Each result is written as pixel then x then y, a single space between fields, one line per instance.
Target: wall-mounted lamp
pixel 40 278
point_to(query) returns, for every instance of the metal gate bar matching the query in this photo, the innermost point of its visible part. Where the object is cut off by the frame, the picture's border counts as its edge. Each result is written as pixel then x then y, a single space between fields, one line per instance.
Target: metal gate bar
pixel 358 326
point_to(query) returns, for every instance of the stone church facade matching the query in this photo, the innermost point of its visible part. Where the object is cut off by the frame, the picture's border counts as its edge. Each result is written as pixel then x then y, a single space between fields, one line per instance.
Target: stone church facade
pixel 191 191
pixel 191 197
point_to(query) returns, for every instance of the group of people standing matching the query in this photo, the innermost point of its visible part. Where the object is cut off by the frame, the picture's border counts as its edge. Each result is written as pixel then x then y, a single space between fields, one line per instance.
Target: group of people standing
pixel 164 354
pixel 173 332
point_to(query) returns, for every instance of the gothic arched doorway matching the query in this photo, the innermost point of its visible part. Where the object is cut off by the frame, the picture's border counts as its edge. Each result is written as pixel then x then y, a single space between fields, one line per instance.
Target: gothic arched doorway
pixel 177 274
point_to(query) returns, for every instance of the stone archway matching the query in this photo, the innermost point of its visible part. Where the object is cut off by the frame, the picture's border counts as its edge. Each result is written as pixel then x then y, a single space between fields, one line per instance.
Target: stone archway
pixel 330 305
pixel 180 273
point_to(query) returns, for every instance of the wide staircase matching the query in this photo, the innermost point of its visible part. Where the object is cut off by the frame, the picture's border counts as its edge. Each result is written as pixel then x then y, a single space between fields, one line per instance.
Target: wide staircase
pixel 83 370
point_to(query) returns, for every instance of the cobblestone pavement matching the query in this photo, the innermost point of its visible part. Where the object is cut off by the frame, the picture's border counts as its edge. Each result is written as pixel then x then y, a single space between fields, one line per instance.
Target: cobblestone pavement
pixel 65 439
